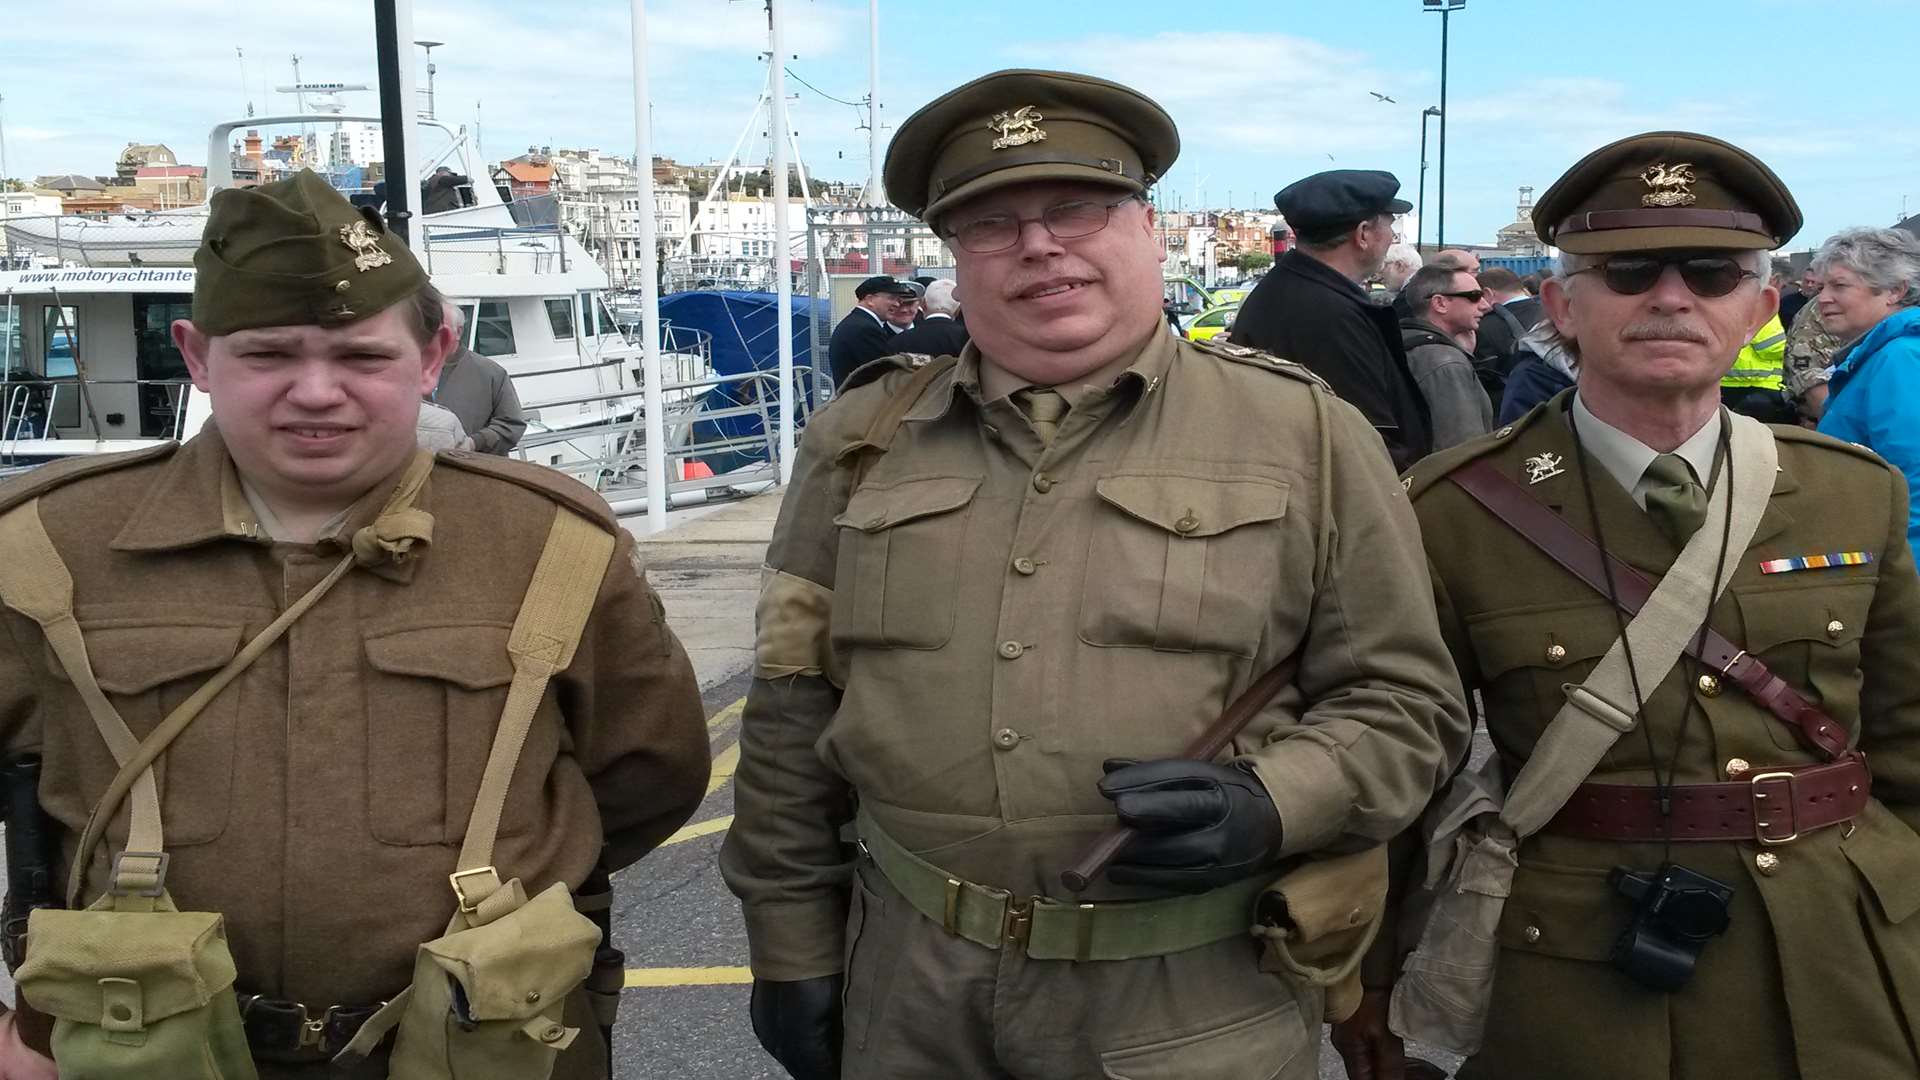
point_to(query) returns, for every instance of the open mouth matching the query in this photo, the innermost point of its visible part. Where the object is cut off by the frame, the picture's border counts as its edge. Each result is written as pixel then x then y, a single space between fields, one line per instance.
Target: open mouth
pixel 316 432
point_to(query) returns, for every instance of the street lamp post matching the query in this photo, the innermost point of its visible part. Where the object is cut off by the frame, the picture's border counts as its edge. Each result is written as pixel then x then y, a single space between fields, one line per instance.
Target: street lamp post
pixel 1431 110
pixel 1445 8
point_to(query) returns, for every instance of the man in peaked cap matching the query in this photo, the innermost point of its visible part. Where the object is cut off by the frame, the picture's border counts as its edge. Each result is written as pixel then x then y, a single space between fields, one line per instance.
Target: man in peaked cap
pixel 865 334
pixel 1312 309
pixel 1775 761
pixel 1008 590
pixel 320 799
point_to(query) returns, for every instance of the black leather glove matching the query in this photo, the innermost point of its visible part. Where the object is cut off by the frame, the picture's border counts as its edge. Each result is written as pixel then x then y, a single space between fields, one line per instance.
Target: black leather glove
pixel 1200 825
pixel 799 1024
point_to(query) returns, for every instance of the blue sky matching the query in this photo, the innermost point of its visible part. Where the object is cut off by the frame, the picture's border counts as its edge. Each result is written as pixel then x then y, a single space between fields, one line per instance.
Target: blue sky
pixel 1265 91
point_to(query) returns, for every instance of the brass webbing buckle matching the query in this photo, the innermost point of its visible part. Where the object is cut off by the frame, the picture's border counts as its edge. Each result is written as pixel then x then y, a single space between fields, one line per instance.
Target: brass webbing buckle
pixel 313 1029
pixel 1763 800
pixel 951 921
pixel 468 907
pixel 160 861
pixel 1017 924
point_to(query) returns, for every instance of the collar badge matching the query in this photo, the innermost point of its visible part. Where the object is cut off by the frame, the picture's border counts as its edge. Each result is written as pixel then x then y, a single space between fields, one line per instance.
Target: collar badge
pixel 1542 466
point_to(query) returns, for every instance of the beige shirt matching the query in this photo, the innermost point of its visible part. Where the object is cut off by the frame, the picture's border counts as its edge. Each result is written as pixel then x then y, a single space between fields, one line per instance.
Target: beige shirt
pixel 1626 458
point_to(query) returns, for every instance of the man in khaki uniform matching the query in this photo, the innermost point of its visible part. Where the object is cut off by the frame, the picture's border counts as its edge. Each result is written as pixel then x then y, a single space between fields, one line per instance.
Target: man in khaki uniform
pixel 1817 975
pixel 319 801
pixel 1083 540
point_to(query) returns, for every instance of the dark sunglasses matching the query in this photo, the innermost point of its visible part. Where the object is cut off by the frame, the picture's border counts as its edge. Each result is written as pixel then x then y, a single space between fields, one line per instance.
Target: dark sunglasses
pixel 1472 296
pixel 1706 275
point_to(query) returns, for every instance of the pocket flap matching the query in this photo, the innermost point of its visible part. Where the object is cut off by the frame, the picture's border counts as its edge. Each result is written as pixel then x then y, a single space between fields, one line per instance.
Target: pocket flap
pixel 178 958
pixel 1525 639
pixel 471 657
pixel 1887 854
pixel 1832 615
pixel 873 508
pixel 135 659
pixel 522 963
pixel 1260 1046
pixel 1190 504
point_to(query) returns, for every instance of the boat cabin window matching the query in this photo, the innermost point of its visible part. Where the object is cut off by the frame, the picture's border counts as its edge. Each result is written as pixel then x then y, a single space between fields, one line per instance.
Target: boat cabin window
pixel 157 362
pixel 560 317
pixel 62 326
pixel 12 358
pixel 493 329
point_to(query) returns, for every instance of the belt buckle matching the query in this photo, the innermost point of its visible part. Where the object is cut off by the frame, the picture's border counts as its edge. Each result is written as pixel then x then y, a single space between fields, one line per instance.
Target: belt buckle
pixel 312 1029
pixel 1737 657
pixel 1760 830
pixel 1017 924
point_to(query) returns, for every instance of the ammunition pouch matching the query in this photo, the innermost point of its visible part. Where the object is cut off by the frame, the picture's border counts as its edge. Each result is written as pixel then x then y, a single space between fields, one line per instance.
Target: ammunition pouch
pixel 136 994
pixel 1320 918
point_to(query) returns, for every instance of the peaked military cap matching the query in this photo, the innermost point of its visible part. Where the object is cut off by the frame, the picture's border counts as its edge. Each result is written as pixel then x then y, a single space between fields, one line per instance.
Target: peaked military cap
pixel 1338 199
pixel 1666 189
pixel 1016 126
pixel 295 253
pixel 881 283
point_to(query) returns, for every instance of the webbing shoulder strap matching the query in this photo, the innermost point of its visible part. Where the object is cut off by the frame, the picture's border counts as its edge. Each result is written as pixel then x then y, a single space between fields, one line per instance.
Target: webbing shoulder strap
pixel 545 636
pixel 886 422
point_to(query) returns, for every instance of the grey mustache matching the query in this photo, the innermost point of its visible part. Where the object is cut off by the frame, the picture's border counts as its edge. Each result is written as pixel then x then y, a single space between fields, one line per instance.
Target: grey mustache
pixel 1664 330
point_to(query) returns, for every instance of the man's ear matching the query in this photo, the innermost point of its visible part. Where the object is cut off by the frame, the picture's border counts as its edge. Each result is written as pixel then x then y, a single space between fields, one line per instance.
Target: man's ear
pixel 193 346
pixel 1558 304
pixel 433 357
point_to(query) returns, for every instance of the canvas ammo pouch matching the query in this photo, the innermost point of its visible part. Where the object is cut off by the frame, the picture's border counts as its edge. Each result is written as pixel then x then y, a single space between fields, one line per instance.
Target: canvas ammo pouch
pixel 488 998
pixel 1318 920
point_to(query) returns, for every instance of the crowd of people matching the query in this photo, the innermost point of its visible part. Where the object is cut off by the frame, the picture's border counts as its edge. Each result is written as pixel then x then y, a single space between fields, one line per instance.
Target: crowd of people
pixel 919 316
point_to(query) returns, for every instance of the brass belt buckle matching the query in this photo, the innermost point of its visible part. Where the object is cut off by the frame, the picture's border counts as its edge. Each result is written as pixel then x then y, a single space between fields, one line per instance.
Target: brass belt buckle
pixel 1792 798
pixel 1017 924
pixel 1737 657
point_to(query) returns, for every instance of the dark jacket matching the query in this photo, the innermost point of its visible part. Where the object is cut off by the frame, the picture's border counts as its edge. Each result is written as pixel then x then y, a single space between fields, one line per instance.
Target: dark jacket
pixel 860 339
pixel 478 391
pixel 1790 305
pixel 1529 383
pixel 1457 403
pixel 936 335
pixel 1308 312
pixel 1501 330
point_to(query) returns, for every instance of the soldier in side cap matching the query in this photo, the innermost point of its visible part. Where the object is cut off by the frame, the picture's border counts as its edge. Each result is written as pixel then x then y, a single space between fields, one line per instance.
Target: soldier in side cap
pixel 865 334
pixel 1312 309
pixel 1007 592
pixel 319 801
pixel 1723 877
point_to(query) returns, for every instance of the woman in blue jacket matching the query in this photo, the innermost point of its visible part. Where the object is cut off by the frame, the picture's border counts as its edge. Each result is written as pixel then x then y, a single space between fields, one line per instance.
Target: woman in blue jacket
pixel 1873 287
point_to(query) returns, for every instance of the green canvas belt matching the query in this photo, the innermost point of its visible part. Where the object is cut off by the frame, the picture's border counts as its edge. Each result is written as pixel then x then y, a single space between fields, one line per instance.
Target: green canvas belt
pixel 1049 929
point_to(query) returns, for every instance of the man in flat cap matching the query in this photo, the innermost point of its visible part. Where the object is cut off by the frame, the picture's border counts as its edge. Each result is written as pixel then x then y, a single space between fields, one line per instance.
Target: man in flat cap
pixel 319 801
pixel 866 333
pixel 1713 809
pixel 1009 590
pixel 1312 308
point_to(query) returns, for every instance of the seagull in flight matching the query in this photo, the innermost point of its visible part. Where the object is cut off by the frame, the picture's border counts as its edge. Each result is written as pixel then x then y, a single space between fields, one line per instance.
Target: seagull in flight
pixel 1378 96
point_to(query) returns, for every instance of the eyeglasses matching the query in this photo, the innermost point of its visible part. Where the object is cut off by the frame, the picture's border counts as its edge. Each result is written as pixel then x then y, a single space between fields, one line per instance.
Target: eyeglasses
pixel 1706 276
pixel 1065 221
pixel 1472 296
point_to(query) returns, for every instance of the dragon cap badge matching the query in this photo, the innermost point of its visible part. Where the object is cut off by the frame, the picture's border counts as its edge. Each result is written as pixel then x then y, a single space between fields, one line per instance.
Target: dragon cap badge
pixel 367 252
pixel 1017 128
pixel 1668 185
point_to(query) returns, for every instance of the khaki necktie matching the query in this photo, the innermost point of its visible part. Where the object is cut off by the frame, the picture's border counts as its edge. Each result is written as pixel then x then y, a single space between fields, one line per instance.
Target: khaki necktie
pixel 1675 500
pixel 1044 407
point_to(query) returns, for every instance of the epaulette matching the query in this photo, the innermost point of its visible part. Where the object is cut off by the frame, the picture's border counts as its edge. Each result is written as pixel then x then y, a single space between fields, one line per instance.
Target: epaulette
pixel 873 370
pixel 1265 361
pixel 42 479
pixel 1796 433
pixel 555 485
pixel 1436 466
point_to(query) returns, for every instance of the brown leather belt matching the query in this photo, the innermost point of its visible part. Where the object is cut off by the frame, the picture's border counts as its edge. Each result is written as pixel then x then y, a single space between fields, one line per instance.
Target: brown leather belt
pixel 1773 806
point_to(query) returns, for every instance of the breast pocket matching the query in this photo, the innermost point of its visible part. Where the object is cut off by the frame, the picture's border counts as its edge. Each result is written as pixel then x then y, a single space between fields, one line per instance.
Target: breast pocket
pixel 1182 561
pixel 433 703
pixel 898 571
pixel 1809 635
pixel 1527 658
pixel 147 671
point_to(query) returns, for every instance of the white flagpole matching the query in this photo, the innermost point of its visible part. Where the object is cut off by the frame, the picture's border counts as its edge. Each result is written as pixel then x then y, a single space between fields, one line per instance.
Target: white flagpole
pixel 649 280
pixel 782 253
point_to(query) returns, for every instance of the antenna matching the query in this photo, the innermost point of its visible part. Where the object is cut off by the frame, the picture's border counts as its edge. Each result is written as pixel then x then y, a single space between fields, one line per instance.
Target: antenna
pixel 244 95
pixel 430 46
pixel 3 142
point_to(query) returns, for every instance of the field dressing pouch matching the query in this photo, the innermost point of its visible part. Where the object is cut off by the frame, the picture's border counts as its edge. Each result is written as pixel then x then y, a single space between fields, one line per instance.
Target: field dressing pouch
pixel 1320 918
pixel 138 989
pixel 487 999
pixel 1473 835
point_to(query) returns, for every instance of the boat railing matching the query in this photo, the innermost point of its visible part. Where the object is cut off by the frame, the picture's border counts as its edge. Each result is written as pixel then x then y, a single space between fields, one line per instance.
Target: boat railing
pixel 451 248
pixel 28 409
pixel 119 238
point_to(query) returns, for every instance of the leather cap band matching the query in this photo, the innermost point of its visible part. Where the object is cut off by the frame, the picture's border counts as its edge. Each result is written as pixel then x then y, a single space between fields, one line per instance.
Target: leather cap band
pixel 1608 220
pixel 1111 165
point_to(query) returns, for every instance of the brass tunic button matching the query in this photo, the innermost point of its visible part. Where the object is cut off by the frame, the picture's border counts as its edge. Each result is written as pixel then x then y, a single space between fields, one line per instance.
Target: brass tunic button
pixel 1556 653
pixel 1186 524
pixel 1737 768
pixel 1012 649
pixel 533 997
pixel 342 286
pixel 1532 934
pixel 1836 628
pixel 553 1034
pixel 1042 483
pixel 1709 686
pixel 1767 863
pixel 1006 738
pixel 876 522
pixel 1023 565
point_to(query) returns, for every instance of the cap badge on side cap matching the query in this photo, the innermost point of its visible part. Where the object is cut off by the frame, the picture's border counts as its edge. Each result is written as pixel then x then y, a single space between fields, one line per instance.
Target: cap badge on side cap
pixel 367 252
pixel 1670 185
pixel 1017 128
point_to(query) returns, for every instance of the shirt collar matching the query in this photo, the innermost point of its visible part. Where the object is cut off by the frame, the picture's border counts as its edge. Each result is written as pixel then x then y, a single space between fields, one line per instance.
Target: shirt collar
pixel 989 381
pixel 1626 458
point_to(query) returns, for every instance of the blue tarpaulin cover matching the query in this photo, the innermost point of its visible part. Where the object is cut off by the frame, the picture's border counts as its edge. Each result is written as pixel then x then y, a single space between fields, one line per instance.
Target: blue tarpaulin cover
pixel 745 329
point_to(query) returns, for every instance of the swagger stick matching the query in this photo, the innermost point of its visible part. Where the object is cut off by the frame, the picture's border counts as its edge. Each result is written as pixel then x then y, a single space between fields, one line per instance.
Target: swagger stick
pixel 1208 746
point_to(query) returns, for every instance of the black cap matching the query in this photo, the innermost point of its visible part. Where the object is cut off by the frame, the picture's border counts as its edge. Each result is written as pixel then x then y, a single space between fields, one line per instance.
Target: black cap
pixel 1328 202
pixel 881 283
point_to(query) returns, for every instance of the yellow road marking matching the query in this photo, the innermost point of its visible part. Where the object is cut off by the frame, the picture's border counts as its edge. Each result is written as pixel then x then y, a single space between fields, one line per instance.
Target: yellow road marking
pixel 723 767
pixel 701 976
pixel 699 829
pixel 726 716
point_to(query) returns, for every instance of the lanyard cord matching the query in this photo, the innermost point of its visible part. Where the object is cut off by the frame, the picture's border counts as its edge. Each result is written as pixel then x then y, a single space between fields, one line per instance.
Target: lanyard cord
pixel 1663 785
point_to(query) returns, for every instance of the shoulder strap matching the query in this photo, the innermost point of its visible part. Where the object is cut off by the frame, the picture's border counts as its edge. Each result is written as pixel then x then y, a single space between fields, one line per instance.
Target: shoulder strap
pixel 1512 321
pixel 545 636
pixel 886 421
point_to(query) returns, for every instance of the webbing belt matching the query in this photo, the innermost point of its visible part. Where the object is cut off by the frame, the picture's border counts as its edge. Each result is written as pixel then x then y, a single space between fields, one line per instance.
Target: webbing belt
pixel 1049 929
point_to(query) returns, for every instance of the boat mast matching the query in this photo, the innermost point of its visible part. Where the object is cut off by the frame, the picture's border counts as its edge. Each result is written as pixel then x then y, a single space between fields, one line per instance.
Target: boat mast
pixel 782 252
pixel 649 279
pixel 874 196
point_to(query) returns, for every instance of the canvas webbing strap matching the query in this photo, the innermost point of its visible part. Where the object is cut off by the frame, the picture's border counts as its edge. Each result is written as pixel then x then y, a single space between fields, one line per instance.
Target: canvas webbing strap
pixel 545 635
pixel 879 437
